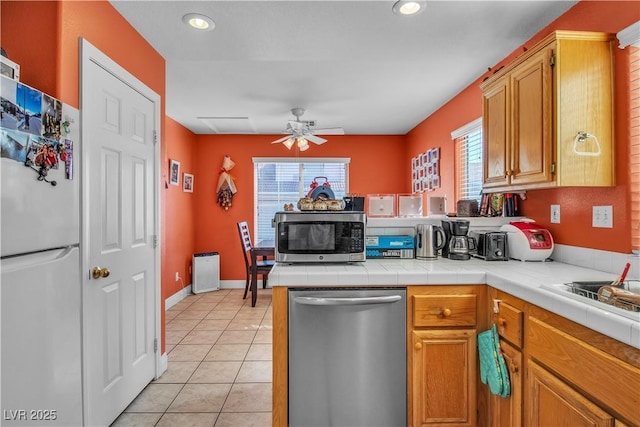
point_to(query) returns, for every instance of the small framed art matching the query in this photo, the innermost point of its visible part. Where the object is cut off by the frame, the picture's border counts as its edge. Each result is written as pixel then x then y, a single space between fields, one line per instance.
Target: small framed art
pixel 187 183
pixel 174 172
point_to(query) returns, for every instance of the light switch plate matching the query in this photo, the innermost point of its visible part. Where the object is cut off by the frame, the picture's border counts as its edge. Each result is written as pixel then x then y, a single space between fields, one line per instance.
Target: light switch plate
pixel 602 217
pixel 555 214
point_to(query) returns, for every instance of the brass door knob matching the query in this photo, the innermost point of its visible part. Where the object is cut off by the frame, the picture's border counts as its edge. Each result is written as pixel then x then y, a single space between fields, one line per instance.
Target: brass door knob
pixel 98 272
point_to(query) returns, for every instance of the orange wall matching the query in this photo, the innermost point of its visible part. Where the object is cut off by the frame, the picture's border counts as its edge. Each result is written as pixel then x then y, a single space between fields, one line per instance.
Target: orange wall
pixel 179 208
pixel 378 165
pixel 575 203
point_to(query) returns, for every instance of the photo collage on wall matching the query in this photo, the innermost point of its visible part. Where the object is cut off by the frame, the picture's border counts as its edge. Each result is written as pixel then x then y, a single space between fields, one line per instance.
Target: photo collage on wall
pixel 425 171
pixel 31 128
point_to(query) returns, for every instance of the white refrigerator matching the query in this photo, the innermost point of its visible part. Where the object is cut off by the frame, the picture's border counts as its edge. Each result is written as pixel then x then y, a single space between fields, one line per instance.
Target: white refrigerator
pixel 40 286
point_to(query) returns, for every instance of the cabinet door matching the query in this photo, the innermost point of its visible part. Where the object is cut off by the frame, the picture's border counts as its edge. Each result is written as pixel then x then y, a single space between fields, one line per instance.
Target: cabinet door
pixel 495 131
pixel 507 412
pixel 532 133
pixel 554 403
pixel 444 380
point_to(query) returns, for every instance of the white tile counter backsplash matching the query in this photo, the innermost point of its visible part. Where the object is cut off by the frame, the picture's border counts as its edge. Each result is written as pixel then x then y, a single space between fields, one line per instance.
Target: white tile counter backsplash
pixel 611 262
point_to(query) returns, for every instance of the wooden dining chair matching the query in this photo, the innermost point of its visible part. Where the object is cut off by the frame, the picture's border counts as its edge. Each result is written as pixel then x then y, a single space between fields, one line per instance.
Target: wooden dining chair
pixel 254 267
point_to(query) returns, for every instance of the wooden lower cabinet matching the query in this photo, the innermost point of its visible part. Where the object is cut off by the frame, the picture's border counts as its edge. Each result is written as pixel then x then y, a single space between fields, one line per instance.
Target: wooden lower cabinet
pixel 442 328
pixel 444 374
pixel 507 412
pixel 562 373
pixel 554 403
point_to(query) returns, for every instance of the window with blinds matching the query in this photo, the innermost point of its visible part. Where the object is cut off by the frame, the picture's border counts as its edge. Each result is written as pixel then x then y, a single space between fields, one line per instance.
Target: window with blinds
pixel 468 160
pixel 280 181
pixel 635 147
pixel 630 39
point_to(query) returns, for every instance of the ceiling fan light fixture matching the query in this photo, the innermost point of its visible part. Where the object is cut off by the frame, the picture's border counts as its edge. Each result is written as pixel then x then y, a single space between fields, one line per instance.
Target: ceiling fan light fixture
pixel 288 143
pixel 303 144
pixel 198 21
pixel 408 7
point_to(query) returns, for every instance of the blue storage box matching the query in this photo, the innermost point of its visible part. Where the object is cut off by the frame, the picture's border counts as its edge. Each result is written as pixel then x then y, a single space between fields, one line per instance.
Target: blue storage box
pixel 390 242
pixel 399 247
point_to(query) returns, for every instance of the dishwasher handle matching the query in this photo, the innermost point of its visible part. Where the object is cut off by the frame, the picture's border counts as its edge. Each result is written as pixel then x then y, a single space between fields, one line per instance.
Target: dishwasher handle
pixel 348 301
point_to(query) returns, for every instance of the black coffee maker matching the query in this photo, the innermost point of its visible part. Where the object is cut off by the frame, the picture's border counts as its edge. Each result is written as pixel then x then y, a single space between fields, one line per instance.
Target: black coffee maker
pixel 458 244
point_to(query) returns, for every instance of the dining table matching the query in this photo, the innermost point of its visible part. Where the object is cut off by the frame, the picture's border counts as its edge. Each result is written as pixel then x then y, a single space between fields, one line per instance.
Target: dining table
pixel 258 253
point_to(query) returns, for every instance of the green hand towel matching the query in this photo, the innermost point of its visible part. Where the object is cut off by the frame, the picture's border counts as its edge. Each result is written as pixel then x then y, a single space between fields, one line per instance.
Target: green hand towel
pixel 493 369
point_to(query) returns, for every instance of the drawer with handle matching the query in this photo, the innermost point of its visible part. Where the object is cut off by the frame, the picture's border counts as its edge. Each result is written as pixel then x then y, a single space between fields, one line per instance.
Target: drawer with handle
pixel 509 321
pixel 444 310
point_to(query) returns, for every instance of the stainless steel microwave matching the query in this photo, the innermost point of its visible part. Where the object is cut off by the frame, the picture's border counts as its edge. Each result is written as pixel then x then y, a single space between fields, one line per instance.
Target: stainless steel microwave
pixel 320 236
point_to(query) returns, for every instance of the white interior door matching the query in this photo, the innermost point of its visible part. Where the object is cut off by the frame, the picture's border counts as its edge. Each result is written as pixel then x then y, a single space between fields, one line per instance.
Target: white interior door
pixel 120 287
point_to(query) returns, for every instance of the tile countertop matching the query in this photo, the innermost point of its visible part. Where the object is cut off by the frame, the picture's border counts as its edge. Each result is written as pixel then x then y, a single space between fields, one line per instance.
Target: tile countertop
pixel 525 280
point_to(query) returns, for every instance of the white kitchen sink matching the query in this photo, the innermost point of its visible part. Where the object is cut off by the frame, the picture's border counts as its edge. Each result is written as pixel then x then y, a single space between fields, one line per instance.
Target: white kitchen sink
pixel 569 290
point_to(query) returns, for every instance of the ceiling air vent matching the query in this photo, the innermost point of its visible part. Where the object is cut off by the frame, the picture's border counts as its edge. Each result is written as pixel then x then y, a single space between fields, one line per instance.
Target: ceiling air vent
pixel 229 125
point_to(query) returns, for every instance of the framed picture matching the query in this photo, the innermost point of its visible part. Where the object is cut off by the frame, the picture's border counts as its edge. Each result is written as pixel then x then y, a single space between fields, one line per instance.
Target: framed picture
pixel 174 173
pixel 187 183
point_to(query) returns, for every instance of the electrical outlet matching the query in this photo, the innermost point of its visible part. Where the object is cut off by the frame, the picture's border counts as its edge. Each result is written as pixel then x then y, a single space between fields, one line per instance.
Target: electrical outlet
pixel 602 217
pixel 177 276
pixel 555 214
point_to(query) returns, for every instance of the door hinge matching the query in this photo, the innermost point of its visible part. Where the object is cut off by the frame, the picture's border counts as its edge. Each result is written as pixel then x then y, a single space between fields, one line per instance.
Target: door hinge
pixel 553 168
pixel 552 59
pixel 155 137
pixel 155 345
pixel 155 241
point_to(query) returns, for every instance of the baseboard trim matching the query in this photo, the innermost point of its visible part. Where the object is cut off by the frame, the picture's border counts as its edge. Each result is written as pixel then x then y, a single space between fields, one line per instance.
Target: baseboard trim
pixel 163 364
pixel 177 297
pixel 186 291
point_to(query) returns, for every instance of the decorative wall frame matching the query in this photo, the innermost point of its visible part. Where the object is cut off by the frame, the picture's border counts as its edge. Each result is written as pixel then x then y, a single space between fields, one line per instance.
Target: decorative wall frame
pixel 174 172
pixel 187 183
pixel 425 171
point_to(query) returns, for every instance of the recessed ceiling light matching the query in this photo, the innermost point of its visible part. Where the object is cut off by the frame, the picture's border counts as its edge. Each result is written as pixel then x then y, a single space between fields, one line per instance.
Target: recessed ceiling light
pixel 407 7
pixel 199 21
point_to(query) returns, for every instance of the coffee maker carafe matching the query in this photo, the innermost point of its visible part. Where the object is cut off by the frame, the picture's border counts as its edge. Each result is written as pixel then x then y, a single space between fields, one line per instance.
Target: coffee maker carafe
pixel 458 243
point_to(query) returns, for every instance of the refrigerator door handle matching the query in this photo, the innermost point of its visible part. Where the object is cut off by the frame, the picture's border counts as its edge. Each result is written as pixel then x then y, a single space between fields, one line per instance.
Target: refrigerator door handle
pixel 347 301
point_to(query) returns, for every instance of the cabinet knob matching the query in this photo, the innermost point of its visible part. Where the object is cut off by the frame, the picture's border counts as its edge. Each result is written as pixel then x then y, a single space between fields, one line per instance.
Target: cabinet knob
pixel 501 321
pixel 446 312
pixel 418 346
pixel 513 367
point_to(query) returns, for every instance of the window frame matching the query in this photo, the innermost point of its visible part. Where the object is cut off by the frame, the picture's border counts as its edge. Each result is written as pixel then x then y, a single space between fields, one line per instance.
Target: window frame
pixel 459 136
pixel 630 38
pixel 303 187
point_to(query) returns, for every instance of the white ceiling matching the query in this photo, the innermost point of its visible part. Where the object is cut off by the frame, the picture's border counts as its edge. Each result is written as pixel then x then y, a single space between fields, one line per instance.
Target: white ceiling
pixel 351 64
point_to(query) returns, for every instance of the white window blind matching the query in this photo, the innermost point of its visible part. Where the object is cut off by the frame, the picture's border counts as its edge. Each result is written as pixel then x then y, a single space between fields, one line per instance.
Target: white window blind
pixel 280 181
pixel 468 160
pixel 630 39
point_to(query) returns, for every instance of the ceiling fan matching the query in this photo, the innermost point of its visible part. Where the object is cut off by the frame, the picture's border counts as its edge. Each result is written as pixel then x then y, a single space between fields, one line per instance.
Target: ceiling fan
pixel 301 132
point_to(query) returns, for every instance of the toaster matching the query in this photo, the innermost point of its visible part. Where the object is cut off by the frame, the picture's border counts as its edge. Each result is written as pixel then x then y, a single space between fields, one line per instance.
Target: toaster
pixel 490 245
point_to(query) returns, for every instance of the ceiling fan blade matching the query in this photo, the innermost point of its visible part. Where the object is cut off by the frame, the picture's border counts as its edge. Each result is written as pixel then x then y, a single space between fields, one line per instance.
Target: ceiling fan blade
pixel 315 139
pixel 328 131
pixel 284 138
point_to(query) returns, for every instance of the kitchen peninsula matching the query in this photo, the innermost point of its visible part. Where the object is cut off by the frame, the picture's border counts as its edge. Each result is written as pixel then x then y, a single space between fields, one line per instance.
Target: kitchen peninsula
pixel 586 357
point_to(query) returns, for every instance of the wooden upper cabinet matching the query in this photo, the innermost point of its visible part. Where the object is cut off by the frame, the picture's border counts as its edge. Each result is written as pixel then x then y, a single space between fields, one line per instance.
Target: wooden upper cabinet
pixel 495 131
pixel 547 117
pixel 531 155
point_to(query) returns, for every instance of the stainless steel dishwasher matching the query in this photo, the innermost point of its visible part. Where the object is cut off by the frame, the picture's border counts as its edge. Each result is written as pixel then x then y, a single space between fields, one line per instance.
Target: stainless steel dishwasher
pixel 347 357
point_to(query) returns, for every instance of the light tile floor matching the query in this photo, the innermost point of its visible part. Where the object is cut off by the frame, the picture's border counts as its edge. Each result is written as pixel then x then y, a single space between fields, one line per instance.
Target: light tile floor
pixel 219 371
